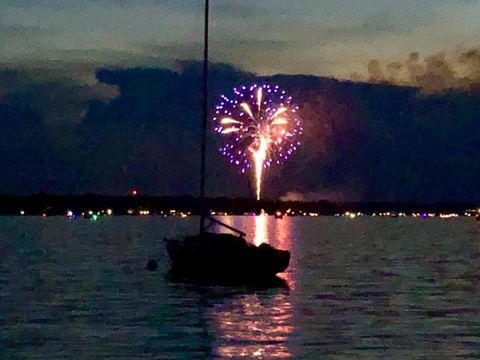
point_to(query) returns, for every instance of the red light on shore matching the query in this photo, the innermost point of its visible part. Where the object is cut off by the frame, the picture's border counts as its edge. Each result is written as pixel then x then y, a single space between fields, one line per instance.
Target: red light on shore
pixel 133 192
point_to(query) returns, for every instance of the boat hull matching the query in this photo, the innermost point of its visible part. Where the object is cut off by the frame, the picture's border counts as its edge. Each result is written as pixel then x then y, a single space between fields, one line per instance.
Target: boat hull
pixel 224 259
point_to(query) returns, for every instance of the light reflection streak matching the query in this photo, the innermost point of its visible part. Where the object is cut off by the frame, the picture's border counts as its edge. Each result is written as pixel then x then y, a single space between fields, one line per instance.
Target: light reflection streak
pixel 228 220
pixel 257 325
pixel 261 229
pixel 265 229
pixel 283 237
pixel 254 326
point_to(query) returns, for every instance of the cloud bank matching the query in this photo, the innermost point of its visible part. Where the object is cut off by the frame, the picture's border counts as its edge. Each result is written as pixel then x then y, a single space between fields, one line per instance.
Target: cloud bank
pixel 432 74
pixel 140 127
pixel 61 95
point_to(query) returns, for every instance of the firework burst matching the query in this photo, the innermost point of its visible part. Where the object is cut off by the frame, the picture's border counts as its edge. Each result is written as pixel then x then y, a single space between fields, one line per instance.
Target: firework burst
pixel 261 127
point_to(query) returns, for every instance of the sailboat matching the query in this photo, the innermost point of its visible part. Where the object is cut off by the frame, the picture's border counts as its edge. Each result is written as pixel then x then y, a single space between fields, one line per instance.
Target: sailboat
pixel 221 259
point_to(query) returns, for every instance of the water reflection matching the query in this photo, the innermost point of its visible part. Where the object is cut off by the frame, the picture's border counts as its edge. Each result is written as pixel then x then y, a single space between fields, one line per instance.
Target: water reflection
pixel 266 229
pixel 283 240
pixel 261 229
pixel 253 326
pixel 257 325
pixel 369 288
pixel 283 233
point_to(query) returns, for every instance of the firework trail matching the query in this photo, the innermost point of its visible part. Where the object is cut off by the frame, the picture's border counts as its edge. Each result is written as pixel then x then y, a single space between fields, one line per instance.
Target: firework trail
pixel 261 127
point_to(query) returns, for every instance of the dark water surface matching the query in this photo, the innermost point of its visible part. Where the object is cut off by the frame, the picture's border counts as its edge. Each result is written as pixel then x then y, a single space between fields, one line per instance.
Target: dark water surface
pixel 364 288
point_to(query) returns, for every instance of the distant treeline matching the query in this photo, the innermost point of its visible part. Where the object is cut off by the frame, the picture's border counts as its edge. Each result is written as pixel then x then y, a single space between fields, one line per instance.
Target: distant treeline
pixel 123 205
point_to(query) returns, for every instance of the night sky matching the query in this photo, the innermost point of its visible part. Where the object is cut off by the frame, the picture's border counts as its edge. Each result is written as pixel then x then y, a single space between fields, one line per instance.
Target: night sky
pixel 103 96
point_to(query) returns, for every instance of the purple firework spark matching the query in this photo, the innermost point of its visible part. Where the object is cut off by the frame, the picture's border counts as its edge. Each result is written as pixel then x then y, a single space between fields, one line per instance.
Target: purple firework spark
pixel 260 125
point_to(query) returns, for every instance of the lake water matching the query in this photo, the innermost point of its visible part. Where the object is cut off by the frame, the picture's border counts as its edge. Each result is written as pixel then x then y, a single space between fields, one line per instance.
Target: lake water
pixel 365 288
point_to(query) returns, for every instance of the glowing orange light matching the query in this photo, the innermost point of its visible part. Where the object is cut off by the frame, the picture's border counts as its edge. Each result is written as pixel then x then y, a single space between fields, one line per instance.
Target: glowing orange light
pixel 261 229
pixel 259 156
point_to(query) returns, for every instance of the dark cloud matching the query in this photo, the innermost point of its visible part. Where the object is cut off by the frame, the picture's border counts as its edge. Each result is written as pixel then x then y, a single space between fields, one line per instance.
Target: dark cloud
pixel 361 142
pixel 470 60
pixel 59 96
pixel 432 74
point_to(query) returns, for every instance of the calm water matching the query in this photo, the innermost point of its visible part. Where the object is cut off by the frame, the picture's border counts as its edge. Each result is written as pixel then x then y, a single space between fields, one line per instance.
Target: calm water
pixel 364 288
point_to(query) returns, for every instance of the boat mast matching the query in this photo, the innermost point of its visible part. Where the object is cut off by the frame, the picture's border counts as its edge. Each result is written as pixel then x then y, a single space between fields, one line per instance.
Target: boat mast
pixel 203 208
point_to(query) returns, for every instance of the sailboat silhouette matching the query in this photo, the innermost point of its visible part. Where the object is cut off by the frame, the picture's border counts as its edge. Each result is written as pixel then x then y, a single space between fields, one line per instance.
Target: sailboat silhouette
pixel 225 259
